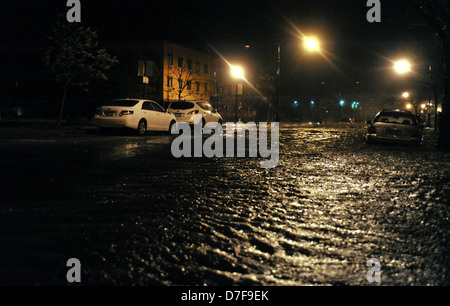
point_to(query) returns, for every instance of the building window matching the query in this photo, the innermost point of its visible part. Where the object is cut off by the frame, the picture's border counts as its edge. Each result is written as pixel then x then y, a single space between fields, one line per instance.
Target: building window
pixel 189 85
pixel 197 67
pixel 205 69
pixel 205 86
pixel 180 83
pixel 189 65
pixel 180 62
pixel 169 82
pixel 197 86
pixel 170 59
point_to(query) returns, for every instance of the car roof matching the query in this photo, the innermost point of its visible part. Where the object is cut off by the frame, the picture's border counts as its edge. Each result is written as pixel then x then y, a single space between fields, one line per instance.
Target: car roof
pixel 139 100
pixel 388 110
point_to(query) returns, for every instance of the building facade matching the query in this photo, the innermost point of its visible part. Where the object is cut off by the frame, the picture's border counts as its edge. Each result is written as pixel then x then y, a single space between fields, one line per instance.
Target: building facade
pixel 187 74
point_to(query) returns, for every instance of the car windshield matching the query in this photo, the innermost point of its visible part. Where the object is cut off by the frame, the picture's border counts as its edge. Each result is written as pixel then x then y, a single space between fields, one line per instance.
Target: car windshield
pixel 126 103
pixel 182 105
pixel 395 118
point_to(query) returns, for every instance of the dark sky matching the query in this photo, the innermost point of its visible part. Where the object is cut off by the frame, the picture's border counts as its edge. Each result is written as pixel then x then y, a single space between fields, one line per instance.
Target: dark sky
pixel 353 45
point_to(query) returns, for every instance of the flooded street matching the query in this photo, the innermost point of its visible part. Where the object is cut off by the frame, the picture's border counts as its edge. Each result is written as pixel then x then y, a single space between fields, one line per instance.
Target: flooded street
pixel 134 215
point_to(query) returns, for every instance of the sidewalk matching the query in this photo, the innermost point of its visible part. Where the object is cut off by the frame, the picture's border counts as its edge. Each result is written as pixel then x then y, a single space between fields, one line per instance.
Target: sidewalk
pixel 41 129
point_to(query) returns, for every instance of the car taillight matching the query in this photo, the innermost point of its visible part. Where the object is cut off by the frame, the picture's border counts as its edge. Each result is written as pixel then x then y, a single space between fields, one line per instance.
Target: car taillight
pixel 193 112
pixel 125 113
pixel 372 130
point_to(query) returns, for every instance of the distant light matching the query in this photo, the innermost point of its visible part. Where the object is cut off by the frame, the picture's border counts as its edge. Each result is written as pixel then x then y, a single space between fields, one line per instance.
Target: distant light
pixel 312 44
pixel 408 106
pixel 295 102
pixel 237 72
pixel 405 95
pixel 439 109
pixel 312 103
pixel 402 66
pixel 342 103
pixel 423 106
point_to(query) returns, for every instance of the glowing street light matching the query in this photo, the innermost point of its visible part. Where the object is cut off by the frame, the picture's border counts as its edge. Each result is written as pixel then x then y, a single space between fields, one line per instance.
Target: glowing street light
pixel 312 44
pixel 405 95
pixel 402 66
pixel 237 72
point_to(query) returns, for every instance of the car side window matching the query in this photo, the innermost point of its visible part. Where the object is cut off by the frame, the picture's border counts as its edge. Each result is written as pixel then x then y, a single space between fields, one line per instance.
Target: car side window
pixel 158 108
pixel 147 106
pixel 203 105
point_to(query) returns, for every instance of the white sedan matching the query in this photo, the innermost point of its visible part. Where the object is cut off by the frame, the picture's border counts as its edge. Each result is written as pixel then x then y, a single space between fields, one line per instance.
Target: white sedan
pixel 136 114
pixel 185 111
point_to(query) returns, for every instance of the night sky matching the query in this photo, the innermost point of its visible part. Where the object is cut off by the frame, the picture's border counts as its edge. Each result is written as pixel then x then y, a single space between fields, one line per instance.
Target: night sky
pixel 356 49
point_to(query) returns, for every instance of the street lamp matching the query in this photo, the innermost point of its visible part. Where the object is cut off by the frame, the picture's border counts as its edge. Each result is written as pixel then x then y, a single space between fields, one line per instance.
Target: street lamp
pixel 311 44
pixel 402 66
pixel 237 73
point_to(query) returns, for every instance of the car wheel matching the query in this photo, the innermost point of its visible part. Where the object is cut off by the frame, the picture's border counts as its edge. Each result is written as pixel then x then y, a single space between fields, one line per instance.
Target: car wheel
pixel 142 127
pixel 172 123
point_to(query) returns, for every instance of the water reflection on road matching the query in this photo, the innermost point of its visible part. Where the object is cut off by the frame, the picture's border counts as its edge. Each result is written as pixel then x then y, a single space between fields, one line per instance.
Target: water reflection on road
pixel 135 215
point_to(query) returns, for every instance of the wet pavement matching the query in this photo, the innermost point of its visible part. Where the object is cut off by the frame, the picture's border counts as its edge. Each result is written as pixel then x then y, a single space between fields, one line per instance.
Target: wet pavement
pixel 135 215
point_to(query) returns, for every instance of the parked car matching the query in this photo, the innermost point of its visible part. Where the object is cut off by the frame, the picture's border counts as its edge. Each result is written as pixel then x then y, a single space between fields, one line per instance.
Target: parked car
pixel 136 114
pixel 185 111
pixel 396 126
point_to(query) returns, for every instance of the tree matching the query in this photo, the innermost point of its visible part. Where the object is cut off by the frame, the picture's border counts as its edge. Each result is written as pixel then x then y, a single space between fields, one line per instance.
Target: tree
pixel 184 76
pixel 437 14
pixel 75 58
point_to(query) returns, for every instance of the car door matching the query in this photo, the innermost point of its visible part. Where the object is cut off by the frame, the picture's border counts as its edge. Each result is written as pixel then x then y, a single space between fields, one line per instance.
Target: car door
pixel 147 113
pixel 160 117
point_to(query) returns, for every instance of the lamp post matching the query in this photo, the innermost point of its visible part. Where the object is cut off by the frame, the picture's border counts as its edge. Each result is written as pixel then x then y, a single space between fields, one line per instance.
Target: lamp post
pixel 311 44
pixel 237 73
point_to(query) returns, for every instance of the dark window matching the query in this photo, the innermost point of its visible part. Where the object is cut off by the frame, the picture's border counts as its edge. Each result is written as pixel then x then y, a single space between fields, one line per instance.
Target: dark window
pixel 206 106
pixel 205 69
pixel 158 107
pixel 147 106
pixel 197 86
pixel 197 67
pixel 205 86
pixel 169 81
pixel 127 103
pixel 182 105
pixel 180 62
pixel 170 59
pixel 189 85
pixel 189 64
pixel 396 118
